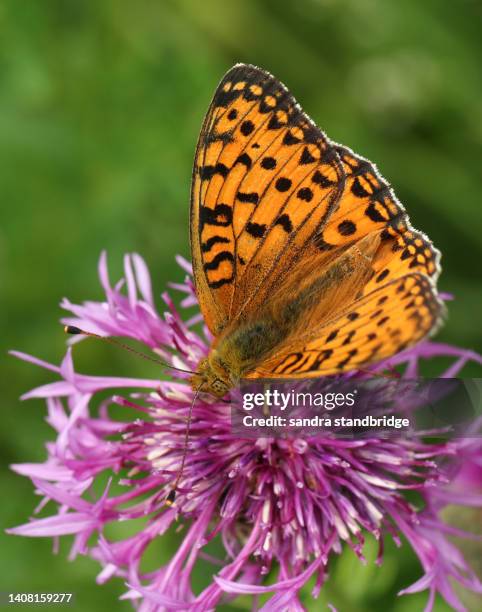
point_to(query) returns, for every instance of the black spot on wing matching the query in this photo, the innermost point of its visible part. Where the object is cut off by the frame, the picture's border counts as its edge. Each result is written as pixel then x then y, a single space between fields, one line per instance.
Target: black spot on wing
pixel 283 184
pixel 214 263
pixel 383 274
pixel 274 123
pixel 225 98
pixel 244 159
pixel 268 163
pixel 347 228
pixel 305 194
pixel 285 223
pixel 207 172
pixel 214 136
pixel 208 245
pixel 290 139
pixel 320 179
pixel 257 230
pixel 222 281
pixel 264 107
pixel 251 198
pixel 247 127
pixel 221 215
pixel 306 157
pixel 358 190
pixel 374 214
pixel 332 335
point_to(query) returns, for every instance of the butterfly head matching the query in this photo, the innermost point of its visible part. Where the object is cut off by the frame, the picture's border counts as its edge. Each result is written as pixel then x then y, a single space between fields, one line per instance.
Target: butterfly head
pixel 212 377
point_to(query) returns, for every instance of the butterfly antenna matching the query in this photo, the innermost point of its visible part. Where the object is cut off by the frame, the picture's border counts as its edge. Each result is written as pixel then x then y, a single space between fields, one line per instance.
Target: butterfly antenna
pixel 172 493
pixel 71 329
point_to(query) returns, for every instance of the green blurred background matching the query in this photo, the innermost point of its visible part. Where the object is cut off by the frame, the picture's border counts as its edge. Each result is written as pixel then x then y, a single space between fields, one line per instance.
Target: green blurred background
pixel 100 107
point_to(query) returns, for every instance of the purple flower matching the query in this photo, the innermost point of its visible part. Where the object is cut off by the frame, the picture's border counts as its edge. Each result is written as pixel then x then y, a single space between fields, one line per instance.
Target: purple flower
pixel 282 507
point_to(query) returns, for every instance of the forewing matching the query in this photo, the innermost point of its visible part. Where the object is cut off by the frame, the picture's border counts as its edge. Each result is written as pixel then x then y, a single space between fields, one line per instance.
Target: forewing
pixel 265 181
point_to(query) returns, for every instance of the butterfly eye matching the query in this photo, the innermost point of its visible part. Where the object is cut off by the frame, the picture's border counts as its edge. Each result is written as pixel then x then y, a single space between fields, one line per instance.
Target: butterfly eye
pixel 219 387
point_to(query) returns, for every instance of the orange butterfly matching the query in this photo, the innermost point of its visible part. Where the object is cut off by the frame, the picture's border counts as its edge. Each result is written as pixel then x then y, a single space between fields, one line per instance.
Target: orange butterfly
pixel 305 263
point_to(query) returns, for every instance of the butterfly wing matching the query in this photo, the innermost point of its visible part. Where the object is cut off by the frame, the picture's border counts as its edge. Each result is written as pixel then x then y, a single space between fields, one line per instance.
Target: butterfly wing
pixel 265 180
pixel 270 193
pixel 368 204
pixel 374 327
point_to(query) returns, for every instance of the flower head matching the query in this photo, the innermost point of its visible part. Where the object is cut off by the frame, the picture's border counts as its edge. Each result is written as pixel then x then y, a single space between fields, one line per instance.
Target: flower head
pixel 282 507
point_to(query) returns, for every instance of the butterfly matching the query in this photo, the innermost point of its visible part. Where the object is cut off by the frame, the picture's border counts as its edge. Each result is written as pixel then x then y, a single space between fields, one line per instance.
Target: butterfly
pixel 305 263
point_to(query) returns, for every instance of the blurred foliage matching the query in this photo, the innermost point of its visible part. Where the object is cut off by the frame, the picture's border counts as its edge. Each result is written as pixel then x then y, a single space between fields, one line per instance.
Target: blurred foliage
pixel 100 107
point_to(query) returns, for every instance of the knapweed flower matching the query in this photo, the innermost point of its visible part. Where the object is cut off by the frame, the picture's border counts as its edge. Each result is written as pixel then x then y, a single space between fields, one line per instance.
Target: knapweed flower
pixel 282 508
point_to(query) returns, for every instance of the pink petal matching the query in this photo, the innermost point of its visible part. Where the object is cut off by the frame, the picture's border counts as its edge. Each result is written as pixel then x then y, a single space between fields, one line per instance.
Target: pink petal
pixel 56 389
pixel 131 283
pixel 67 367
pixel 143 278
pixel 184 263
pixel 104 272
pixel 45 471
pixel 72 522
